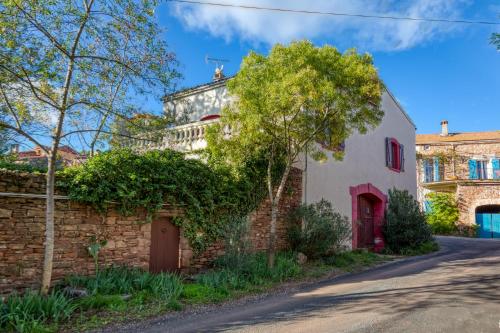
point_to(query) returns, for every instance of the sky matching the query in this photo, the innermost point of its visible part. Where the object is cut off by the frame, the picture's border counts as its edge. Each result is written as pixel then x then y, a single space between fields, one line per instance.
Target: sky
pixel 436 70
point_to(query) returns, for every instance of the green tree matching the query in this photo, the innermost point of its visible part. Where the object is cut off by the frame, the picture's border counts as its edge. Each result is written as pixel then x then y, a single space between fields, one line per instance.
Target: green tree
pixel 443 214
pixel 495 40
pixel 68 68
pixel 289 101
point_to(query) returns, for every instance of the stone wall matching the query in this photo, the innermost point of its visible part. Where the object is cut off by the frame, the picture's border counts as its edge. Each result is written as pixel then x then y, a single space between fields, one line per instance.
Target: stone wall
pixel 474 194
pixel 22 228
pixel 259 227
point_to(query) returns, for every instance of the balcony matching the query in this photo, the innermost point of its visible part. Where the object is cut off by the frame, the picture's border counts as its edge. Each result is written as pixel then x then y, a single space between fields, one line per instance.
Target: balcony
pixel 184 138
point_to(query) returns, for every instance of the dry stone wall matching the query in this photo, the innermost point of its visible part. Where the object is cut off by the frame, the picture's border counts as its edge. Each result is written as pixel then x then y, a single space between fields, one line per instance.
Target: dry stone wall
pixel 22 229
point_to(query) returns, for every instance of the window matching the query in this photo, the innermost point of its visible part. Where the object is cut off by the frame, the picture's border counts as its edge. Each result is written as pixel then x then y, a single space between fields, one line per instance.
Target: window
pixel 394 155
pixel 432 170
pixel 484 169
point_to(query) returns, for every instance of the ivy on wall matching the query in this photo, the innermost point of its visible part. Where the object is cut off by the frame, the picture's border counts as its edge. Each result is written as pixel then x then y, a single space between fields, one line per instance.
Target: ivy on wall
pixel 209 194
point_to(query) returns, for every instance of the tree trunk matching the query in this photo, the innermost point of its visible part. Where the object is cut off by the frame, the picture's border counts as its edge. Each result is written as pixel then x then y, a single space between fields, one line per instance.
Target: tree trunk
pixel 271 251
pixel 49 226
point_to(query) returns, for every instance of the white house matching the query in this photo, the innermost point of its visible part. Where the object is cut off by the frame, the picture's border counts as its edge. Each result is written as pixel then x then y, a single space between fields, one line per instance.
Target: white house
pixel 357 186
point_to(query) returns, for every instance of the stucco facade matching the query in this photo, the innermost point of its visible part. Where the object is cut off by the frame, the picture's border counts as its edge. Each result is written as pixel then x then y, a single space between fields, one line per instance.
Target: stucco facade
pixel 364 167
pixel 364 163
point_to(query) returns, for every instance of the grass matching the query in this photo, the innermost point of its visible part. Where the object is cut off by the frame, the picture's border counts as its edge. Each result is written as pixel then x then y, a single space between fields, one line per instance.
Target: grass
pixel 121 293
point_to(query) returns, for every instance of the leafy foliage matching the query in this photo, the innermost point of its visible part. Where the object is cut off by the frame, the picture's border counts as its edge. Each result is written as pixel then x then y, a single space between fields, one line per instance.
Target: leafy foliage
pixel 209 196
pixel 251 272
pixel 443 213
pixel 317 230
pixel 8 162
pixel 32 312
pixel 495 40
pixel 351 260
pixel 124 280
pixel 405 226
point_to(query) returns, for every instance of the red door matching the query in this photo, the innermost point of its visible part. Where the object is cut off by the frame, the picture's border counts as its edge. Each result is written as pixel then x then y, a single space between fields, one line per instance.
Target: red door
pixel 164 251
pixel 365 228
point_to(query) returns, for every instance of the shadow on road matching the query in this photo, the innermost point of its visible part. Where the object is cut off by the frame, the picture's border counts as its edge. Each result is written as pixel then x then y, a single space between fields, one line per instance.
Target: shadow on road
pixel 460 274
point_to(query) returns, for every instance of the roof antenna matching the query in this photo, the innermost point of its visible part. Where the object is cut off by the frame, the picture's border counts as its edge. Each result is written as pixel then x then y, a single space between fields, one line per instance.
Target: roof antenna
pixel 218 75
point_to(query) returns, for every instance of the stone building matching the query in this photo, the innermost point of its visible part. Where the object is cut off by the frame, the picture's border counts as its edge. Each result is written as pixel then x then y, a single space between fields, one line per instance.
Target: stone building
pixel 468 165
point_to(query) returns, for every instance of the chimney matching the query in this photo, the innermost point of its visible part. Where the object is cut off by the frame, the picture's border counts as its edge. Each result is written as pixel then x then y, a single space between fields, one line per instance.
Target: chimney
pixel 444 128
pixel 14 148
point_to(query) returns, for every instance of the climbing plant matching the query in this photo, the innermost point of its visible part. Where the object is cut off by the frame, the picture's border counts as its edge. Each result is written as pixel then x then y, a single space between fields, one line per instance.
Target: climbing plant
pixel 210 194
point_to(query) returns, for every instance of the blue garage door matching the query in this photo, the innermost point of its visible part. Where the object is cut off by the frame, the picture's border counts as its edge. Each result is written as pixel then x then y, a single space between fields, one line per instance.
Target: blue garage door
pixel 489 224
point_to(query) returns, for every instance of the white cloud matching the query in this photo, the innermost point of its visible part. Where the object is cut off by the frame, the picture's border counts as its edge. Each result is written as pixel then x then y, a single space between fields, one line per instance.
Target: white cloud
pixel 267 27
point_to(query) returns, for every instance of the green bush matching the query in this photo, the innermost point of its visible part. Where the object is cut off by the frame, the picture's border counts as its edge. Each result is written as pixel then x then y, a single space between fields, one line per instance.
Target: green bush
pixel 252 271
pixel 405 226
pixel 196 293
pixel 317 230
pixel 352 259
pixel 8 164
pixel 443 214
pixel 123 280
pixel 32 312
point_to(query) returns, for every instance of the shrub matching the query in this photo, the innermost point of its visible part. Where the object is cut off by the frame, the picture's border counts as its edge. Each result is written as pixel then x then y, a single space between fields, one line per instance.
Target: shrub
pixel 252 271
pixel 405 225
pixel 443 213
pixel 237 246
pixel 123 280
pixel 317 230
pixel 32 312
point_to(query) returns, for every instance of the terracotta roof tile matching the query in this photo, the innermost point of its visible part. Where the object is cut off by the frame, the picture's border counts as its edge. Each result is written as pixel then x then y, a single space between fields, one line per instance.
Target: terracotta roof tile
pixel 454 137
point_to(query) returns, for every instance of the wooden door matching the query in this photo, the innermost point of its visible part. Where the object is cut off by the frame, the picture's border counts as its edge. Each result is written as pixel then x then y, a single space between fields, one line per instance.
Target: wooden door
pixel 164 251
pixel 365 229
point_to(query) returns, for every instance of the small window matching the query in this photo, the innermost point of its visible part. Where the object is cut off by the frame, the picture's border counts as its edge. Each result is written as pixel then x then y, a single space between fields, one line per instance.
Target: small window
pixel 394 155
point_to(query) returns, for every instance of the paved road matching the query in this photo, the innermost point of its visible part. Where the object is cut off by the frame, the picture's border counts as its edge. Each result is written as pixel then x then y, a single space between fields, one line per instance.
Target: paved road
pixel 454 290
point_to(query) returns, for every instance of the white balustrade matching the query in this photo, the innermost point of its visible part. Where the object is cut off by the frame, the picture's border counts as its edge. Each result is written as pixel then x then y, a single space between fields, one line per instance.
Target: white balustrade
pixel 185 138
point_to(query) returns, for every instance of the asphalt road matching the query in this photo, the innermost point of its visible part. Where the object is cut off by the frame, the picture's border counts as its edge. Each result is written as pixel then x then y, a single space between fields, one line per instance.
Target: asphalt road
pixel 454 290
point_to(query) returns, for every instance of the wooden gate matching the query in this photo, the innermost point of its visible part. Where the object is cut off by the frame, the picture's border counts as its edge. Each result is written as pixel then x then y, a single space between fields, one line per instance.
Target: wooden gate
pixel 366 218
pixel 164 251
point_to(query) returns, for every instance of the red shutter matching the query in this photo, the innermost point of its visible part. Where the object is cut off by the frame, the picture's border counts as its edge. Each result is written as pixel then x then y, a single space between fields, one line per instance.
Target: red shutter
pixel 401 158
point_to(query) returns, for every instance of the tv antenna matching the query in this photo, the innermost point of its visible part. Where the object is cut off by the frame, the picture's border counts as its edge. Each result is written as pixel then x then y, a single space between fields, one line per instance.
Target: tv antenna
pixel 216 61
pixel 219 66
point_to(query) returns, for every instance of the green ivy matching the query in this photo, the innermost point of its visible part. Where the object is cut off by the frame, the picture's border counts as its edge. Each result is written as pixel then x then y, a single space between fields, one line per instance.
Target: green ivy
pixel 209 195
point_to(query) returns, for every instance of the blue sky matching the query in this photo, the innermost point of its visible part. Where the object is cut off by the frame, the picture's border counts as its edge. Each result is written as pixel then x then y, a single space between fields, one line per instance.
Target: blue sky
pixel 436 71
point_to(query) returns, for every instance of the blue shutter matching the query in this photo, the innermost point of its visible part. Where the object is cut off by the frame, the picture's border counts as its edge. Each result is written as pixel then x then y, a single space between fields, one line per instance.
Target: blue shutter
pixel 436 169
pixel 427 171
pixel 473 169
pixel 495 163
pixel 401 158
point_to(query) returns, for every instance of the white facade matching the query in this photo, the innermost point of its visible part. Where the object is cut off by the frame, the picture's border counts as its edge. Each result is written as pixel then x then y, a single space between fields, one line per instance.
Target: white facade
pixel 364 162
pixel 357 186
pixel 196 103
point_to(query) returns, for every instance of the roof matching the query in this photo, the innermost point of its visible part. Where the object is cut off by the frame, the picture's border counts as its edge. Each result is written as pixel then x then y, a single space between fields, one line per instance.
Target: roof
pixel 35 154
pixel 458 137
pixel 196 89
pixel 215 84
